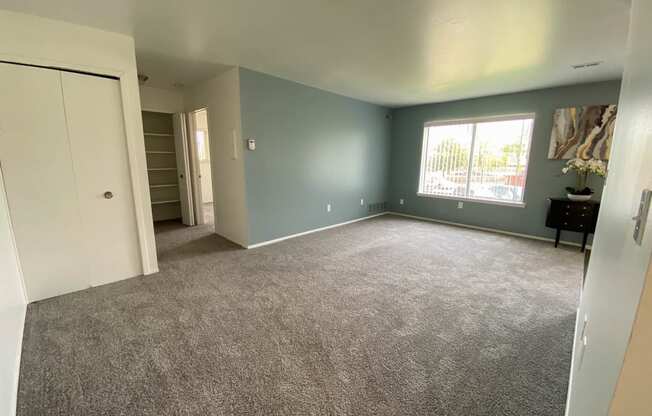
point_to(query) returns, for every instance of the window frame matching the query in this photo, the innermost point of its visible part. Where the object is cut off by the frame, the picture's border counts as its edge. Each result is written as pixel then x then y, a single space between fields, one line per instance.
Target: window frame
pixel 475 121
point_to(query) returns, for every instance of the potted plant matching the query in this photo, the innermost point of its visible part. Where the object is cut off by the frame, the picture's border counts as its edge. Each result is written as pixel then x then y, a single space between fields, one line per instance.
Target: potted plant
pixel 583 169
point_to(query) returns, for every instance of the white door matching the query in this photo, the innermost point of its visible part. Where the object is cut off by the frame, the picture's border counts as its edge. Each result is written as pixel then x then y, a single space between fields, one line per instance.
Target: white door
pixel 618 265
pixel 99 152
pixel 183 168
pixel 40 182
pixel 202 184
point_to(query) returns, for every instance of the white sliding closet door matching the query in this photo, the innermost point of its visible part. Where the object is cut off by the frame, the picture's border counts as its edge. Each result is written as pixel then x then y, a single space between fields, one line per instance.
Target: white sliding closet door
pixel 63 154
pixel 96 131
pixel 40 183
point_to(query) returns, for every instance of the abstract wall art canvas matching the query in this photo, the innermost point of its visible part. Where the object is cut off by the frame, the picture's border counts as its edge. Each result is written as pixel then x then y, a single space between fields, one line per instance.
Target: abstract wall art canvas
pixel 584 132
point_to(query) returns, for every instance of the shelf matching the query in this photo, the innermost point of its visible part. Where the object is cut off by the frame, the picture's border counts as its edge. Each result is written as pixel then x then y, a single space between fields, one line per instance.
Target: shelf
pixel 159 134
pixel 164 185
pixel 158 152
pixel 157 169
pixel 172 201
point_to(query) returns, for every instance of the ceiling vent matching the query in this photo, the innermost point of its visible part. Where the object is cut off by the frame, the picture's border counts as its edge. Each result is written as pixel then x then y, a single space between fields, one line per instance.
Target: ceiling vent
pixel 586 65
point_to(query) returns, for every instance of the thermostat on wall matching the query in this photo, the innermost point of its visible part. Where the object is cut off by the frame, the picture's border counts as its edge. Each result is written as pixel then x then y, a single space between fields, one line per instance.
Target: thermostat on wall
pixel 251 144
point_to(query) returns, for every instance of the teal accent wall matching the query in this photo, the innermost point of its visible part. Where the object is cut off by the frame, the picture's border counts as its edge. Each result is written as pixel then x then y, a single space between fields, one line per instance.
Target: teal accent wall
pixel 543 178
pixel 312 148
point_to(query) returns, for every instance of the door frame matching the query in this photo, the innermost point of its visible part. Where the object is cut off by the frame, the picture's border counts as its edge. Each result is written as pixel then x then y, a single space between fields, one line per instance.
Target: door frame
pixel 135 143
pixel 184 174
pixel 197 196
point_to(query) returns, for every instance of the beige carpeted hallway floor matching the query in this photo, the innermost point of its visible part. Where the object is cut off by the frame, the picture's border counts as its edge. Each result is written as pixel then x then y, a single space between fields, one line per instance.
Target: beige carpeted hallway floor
pixel 388 316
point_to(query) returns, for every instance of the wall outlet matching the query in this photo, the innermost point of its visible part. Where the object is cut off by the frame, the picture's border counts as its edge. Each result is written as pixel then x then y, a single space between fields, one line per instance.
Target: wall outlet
pixel 460 205
pixel 361 202
pixel 401 201
pixel 328 207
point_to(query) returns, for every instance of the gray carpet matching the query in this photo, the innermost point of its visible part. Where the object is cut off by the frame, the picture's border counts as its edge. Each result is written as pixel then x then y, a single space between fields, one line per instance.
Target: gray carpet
pixel 388 316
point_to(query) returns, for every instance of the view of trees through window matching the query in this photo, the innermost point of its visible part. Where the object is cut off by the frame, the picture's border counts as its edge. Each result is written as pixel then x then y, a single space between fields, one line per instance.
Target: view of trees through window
pixel 478 160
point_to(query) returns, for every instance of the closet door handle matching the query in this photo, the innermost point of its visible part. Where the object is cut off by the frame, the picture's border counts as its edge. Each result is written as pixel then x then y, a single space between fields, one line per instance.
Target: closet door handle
pixel 108 194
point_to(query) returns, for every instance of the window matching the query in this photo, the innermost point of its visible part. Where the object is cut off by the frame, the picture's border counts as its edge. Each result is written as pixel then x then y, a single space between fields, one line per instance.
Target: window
pixel 480 159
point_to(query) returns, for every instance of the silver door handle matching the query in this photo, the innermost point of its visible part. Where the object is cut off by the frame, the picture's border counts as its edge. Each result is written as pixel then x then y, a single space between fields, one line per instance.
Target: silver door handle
pixel 108 194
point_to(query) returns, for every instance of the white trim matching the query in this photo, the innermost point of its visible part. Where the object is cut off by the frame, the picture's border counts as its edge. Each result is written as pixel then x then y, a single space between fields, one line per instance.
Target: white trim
pixel 485 119
pixel 474 227
pixel 494 230
pixel 469 170
pixel 573 357
pixel 184 185
pixel 478 200
pixel 287 237
pixel 194 165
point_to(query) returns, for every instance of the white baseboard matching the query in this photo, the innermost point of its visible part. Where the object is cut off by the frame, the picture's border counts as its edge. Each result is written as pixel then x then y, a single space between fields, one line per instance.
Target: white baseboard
pixel 287 237
pixel 474 227
pixel 493 230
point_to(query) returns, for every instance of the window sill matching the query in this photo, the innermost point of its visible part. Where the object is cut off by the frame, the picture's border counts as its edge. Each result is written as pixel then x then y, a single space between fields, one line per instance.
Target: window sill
pixel 477 200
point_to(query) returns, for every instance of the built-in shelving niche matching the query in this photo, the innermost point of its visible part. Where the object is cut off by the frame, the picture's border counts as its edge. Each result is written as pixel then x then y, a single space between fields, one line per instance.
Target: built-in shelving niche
pixel 161 166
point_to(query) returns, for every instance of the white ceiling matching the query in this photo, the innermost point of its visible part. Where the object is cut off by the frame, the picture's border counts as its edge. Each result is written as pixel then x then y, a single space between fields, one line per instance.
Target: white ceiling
pixel 392 52
pixel 170 72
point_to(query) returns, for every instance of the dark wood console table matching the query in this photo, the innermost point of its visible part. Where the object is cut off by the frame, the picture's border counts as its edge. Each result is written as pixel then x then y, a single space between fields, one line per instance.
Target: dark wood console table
pixel 567 215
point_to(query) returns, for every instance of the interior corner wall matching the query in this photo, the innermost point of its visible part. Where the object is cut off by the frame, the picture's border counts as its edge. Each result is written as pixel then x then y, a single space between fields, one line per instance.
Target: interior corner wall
pixel 313 148
pixel 161 100
pixel 543 177
pixel 221 97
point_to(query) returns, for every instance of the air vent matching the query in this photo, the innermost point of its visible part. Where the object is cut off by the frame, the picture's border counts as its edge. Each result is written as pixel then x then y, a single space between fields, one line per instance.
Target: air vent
pixel 377 207
pixel 586 65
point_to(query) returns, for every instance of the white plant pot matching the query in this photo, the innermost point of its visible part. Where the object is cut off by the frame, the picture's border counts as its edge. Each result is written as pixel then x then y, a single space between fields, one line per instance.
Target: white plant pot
pixel 573 197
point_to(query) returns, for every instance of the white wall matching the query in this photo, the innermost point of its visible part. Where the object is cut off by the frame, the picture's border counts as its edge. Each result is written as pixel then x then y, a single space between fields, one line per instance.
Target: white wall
pixel 221 97
pixel 34 40
pixel 12 311
pixel 618 266
pixel 161 100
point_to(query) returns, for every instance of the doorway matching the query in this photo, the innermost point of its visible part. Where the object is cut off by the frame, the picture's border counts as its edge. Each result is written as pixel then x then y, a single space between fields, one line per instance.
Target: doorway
pixel 202 181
